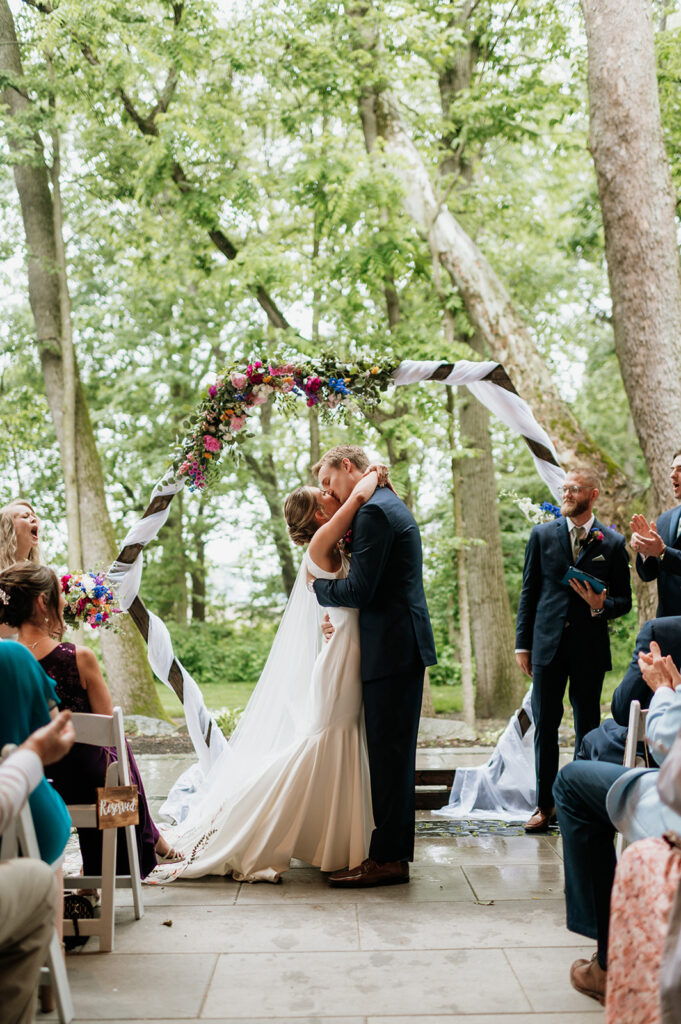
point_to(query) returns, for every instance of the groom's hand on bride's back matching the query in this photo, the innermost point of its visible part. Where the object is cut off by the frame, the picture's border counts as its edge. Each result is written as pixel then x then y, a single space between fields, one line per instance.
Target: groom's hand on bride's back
pixel 328 628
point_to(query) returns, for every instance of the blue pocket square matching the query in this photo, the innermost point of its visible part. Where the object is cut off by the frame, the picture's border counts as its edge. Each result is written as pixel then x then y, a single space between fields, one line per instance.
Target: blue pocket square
pixel 599 558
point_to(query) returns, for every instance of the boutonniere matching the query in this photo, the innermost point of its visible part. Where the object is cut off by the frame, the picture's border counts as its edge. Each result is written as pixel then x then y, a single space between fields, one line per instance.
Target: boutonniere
pixel 347 542
pixel 593 535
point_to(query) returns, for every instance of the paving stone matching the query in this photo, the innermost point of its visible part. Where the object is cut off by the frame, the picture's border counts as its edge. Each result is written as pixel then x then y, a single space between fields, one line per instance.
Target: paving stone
pixel 516 881
pixel 544 974
pixel 371 983
pixel 112 986
pixel 241 929
pixel 507 923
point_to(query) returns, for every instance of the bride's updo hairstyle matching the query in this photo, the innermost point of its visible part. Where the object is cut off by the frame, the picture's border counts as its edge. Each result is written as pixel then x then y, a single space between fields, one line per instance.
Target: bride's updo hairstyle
pixel 20 587
pixel 299 512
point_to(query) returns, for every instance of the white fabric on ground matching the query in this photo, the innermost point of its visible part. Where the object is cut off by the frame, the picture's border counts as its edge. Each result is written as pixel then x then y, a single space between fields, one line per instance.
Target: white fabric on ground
pixel 505 787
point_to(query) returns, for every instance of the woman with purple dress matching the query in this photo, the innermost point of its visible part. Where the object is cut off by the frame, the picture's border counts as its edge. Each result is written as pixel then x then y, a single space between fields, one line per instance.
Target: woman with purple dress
pixel 35 606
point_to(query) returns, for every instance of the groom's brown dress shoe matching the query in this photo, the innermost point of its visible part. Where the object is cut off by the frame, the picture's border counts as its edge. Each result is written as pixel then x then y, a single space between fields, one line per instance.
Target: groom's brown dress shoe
pixel 370 872
pixel 589 978
pixel 540 820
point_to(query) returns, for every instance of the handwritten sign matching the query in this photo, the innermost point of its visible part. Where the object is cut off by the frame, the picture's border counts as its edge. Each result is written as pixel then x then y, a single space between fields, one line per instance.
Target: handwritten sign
pixel 117 806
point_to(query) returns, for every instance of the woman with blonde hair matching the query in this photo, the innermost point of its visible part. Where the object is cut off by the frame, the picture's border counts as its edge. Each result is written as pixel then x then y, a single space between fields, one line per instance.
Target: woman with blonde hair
pixel 19 530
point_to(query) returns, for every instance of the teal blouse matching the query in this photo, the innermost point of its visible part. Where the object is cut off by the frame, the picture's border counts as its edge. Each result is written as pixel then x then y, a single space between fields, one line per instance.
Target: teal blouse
pixel 26 695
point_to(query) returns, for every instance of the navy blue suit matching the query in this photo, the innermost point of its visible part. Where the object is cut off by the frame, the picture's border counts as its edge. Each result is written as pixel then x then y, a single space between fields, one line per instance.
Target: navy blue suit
pixel 396 643
pixel 564 639
pixel 666 570
pixel 607 742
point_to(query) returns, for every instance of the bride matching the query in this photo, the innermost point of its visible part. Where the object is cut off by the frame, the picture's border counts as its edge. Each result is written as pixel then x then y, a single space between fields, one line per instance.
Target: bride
pixel 293 781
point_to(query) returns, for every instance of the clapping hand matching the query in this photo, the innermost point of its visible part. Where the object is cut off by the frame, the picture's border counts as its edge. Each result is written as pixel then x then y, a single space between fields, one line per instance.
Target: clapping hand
pixel 658 669
pixel 645 539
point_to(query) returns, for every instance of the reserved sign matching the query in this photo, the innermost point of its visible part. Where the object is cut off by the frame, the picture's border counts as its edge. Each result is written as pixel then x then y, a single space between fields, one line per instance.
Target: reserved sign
pixel 117 806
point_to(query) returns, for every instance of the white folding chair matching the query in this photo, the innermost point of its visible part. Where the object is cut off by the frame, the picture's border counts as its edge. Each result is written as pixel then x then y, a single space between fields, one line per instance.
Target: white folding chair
pixel 105 731
pixel 636 731
pixel 20 838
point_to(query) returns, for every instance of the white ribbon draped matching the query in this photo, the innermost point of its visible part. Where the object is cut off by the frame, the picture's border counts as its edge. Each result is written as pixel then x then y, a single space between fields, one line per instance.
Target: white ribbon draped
pixel 126 578
pixel 510 408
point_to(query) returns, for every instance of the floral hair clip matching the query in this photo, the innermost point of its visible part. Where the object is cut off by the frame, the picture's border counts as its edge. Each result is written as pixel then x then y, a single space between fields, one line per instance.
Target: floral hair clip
pixel 4 596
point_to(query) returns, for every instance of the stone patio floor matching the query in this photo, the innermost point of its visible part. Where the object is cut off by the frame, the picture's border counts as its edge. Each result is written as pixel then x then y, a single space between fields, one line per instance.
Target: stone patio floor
pixel 478 936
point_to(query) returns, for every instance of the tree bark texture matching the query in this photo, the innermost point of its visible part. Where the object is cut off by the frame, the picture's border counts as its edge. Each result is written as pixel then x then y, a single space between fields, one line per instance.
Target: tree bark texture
pixel 462 574
pixel 128 672
pixel 638 206
pixel 265 478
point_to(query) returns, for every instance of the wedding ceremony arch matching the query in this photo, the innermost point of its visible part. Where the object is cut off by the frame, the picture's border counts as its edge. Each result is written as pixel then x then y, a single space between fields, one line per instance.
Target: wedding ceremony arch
pixel 219 427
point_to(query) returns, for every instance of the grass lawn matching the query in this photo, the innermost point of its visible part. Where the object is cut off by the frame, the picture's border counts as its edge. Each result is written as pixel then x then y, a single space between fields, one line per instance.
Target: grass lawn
pixel 446 699
pixel 216 695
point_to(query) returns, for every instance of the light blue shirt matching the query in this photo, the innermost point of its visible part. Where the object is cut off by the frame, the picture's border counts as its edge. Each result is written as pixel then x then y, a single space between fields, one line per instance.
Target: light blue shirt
pixel 633 803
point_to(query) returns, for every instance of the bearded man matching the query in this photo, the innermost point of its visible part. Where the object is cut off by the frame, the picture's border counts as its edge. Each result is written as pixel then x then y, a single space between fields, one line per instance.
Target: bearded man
pixel 562 628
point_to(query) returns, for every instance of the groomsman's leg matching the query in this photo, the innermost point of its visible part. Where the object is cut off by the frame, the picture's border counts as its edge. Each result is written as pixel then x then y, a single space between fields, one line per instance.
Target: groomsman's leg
pixel 548 687
pixel 589 861
pixel 392 708
pixel 586 684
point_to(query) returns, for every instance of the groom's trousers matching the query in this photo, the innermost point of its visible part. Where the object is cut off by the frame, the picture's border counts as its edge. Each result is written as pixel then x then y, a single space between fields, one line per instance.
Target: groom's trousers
pixel 392 709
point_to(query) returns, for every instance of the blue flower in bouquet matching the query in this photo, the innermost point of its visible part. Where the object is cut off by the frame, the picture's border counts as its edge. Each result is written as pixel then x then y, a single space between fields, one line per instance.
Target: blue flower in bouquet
pixel 88 600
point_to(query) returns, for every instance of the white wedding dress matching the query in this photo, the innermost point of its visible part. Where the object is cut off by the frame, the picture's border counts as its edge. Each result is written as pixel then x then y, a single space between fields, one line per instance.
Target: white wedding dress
pixel 293 780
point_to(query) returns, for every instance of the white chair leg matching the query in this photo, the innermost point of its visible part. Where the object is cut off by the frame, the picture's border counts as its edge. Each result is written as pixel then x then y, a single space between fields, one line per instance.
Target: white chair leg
pixel 59 980
pixel 106 935
pixel 135 876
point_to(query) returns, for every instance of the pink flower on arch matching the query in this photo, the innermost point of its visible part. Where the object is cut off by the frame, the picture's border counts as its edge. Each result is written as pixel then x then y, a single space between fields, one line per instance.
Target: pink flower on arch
pixel 237 422
pixel 211 444
pixel 239 380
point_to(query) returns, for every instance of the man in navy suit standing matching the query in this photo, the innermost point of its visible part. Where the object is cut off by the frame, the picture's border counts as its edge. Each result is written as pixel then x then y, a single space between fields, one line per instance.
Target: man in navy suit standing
pixel 562 630
pixel 396 644
pixel 658 549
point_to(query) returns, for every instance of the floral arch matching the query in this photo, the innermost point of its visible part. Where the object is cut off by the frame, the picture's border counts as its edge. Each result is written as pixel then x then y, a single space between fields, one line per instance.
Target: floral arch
pixel 219 426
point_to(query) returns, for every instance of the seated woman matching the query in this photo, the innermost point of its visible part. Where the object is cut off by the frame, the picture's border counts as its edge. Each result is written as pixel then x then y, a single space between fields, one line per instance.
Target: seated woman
pixel 27 696
pixel 34 604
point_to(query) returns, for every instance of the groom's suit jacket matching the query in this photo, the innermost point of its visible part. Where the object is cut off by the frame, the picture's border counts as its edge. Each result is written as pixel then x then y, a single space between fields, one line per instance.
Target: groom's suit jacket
pixel 546 605
pixel 385 583
pixel 666 570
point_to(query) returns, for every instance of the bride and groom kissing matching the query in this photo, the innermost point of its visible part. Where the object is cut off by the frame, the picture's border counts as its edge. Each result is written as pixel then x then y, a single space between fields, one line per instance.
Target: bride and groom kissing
pixel 321 765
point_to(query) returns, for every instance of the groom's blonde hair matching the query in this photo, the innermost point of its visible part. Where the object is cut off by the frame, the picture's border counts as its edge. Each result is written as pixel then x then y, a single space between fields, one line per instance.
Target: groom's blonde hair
pixel 335 456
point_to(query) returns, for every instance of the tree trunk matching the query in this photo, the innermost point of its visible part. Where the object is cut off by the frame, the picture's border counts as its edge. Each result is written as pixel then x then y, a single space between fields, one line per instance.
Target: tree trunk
pixel 638 206
pixel 68 358
pixel 462 575
pixel 264 473
pixel 198 569
pixel 128 672
pixel 499 684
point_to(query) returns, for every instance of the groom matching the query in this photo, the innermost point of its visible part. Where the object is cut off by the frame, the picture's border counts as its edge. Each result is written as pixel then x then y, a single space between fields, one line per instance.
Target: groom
pixel 396 642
